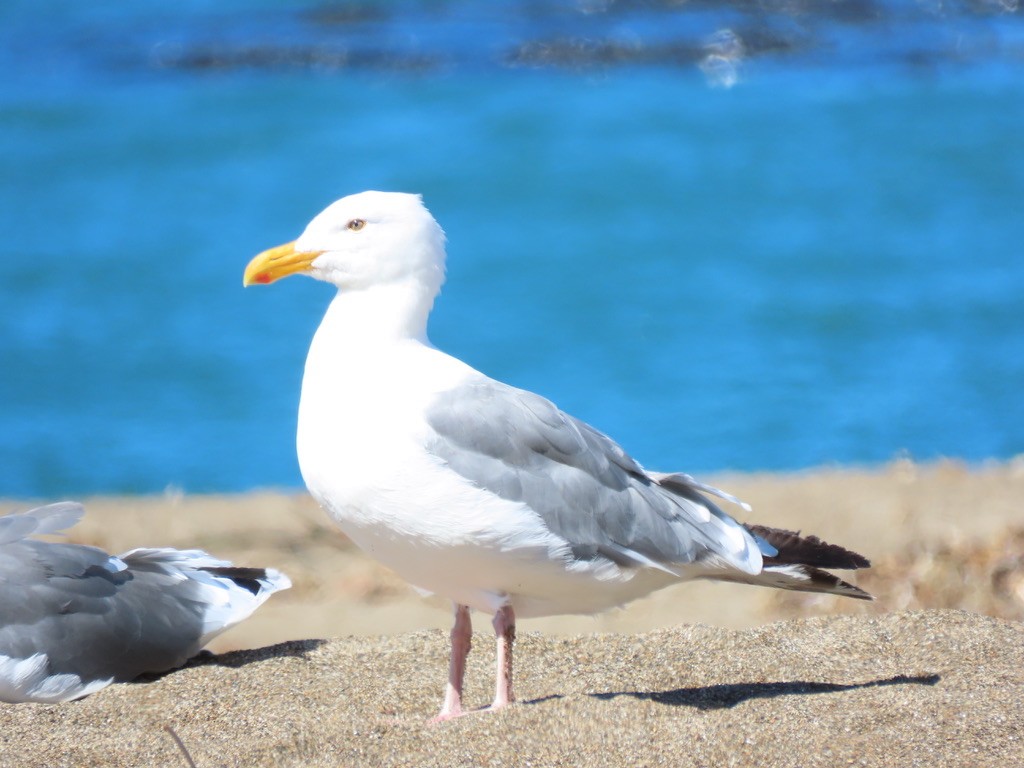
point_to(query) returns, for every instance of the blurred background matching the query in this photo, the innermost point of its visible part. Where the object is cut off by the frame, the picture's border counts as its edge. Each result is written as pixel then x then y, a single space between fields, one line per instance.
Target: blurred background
pixel 734 235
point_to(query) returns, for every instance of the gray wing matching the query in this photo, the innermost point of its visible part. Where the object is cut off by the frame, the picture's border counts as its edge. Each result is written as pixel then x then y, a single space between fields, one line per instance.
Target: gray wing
pixel 586 489
pixel 95 617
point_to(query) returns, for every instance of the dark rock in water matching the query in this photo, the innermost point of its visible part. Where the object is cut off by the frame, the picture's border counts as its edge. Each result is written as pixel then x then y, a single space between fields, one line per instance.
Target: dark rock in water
pixel 274 57
pixel 426 37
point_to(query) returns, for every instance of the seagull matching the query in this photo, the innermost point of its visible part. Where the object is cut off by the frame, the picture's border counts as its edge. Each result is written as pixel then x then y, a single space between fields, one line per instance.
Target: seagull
pixel 477 491
pixel 74 619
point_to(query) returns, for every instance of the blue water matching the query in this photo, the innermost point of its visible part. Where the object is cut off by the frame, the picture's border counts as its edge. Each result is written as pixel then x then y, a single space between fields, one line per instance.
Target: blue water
pixel 730 238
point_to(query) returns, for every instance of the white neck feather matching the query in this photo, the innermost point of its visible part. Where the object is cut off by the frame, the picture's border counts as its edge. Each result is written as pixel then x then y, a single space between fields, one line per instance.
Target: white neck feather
pixel 377 315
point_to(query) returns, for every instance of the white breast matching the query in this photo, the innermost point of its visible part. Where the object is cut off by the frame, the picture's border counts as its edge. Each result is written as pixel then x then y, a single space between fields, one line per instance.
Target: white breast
pixel 361 447
pixel 362 439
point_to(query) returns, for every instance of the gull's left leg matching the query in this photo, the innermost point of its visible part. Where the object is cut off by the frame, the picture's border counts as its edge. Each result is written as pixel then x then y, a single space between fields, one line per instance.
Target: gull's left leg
pixel 505 630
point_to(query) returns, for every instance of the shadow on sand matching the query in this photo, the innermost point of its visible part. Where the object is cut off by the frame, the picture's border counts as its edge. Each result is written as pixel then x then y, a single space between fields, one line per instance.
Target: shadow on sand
pixel 294 648
pixel 725 696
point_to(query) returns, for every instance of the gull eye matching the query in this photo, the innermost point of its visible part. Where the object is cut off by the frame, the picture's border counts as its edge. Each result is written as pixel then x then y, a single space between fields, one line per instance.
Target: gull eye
pixel 356 224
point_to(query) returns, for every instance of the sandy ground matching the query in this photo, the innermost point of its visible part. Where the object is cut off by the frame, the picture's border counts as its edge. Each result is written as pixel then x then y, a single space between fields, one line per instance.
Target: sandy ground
pixel 906 689
pixel 888 684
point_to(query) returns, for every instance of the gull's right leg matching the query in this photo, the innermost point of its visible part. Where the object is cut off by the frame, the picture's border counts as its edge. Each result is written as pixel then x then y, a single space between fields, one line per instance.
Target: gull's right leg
pixel 462 639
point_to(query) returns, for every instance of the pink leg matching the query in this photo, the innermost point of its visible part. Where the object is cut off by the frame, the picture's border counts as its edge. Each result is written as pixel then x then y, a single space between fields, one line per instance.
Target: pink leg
pixel 462 639
pixel 505 629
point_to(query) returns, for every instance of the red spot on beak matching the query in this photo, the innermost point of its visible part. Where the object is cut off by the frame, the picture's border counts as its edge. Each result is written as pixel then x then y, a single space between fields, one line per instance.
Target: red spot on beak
pixel 262 277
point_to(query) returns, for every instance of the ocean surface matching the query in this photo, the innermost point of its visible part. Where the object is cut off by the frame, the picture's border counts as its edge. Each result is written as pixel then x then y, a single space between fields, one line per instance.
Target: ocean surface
pixel 734 236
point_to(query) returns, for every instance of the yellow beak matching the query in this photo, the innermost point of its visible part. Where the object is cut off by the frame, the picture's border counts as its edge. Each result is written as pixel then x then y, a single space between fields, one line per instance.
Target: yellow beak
pixel 276 263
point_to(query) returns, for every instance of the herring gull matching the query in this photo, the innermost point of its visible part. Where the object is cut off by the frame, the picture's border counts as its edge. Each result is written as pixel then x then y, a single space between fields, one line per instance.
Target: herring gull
pixel 475 490
pixel 74 619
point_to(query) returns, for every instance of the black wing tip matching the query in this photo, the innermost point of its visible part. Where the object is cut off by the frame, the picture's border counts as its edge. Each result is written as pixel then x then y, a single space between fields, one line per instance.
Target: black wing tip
pixel 850 590
pixel 794 549
pixel 805 578
pixel 824 581
pixel 251 579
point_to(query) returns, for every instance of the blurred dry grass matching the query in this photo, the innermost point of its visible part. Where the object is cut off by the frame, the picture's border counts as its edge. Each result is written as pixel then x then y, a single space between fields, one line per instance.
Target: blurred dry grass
pixel 940 535
pixel 985 577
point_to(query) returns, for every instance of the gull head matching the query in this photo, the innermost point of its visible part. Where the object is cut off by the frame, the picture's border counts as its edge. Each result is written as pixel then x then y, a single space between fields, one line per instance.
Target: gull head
pixel 361 241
